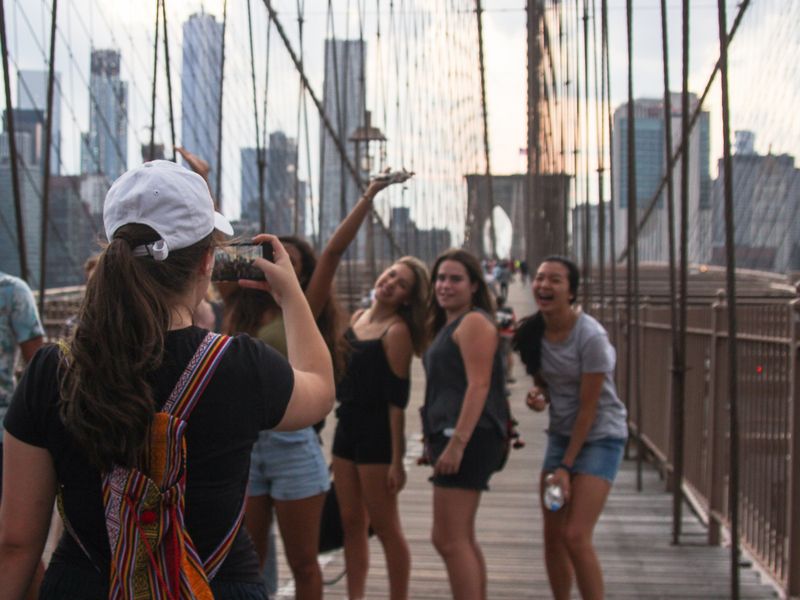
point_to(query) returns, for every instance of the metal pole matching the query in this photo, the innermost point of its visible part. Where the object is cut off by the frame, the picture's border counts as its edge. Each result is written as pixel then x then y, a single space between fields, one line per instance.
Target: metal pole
pixel 730 251
pixel 48 142
pixel 632 347
pixel 12 148
pixel 677 373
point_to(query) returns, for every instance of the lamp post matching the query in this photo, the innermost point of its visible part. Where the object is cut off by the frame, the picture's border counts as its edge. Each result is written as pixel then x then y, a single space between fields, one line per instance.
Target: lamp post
pixel 366 135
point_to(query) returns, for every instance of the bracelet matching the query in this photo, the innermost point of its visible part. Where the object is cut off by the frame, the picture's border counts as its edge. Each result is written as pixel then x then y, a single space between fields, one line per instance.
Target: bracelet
pixel 564 466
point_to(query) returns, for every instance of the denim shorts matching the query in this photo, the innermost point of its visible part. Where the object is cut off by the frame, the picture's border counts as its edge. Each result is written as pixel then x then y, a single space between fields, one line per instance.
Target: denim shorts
pixel 600 458
pixel 288 466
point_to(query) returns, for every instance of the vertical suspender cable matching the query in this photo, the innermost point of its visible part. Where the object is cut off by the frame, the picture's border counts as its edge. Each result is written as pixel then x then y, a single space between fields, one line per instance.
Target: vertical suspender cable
pixel 576 129
pixel 599 81
pixel 218 191
pixel 48 143
pixel 12 147
pixel 300 96
pixel 684 239
pixel 489 187
pixel 262 158
pixel 677 377
pixel 587 225
pixel 259 159
pixel 730 251
pixel 151 154
pixel 632 347
pixel 169 76
pixel 612 227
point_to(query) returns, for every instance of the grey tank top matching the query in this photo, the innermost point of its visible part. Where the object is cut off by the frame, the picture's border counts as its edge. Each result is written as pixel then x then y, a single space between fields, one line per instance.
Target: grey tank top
pixel 446 385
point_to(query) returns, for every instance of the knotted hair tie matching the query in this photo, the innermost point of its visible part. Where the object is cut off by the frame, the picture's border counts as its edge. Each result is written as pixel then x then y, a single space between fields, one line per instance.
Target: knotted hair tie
pixel 157 250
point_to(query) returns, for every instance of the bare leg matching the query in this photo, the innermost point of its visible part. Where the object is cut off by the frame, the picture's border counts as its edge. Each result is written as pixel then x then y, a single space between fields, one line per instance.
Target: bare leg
pixel 299 524
pixel 556 556
pixel 589 494
pixel 384 516
pixel 257 520
pixel 355 523
pixel 453 536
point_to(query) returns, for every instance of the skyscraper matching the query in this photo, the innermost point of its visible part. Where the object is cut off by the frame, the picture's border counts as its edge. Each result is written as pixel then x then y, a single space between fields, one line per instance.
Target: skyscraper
pixel 27 134
pixel 32 94
pixel 651 164
pixel 104 148
pixel 766 210
pixel 280 187
pixel 344 73
pixel 201 86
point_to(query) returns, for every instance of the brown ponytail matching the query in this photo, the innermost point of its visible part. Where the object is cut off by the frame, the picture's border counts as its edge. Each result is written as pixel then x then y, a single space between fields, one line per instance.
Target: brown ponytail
pixel 106 402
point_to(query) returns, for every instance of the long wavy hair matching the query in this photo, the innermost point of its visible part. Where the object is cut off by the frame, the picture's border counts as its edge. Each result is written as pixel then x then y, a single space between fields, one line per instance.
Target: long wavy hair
pixel 527 339
pixel 106 402
pixel 246 307
pixel 481 298
pixel 415 311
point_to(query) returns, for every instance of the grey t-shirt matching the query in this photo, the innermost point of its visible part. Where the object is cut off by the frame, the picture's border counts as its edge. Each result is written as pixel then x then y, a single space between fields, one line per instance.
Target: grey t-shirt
pixel 586 350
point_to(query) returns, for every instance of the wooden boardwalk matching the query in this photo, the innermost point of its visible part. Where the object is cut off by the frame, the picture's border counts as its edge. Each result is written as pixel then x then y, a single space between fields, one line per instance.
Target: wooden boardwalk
pixel 632 538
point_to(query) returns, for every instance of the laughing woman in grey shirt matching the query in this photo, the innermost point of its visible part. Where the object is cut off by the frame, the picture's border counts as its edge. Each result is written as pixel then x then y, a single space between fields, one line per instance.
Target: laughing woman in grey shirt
pixel 568 354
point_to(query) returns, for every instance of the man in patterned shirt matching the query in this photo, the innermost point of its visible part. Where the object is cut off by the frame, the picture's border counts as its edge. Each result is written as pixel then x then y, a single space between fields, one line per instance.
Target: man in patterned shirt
pixel 20 329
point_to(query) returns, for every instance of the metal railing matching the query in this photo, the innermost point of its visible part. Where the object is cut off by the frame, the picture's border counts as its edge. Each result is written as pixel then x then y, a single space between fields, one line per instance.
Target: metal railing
pixel 769 414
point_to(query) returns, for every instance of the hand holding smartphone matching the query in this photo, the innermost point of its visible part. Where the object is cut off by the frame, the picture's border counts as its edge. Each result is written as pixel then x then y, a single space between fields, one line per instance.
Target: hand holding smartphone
pixel 235 261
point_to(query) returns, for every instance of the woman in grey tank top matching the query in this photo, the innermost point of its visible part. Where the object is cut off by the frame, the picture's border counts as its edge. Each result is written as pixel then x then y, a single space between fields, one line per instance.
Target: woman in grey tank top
pixel 464 416
pixel 568 354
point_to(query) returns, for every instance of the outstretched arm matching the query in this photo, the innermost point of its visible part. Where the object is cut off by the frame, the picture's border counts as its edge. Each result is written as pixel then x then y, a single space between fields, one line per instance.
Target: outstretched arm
pixel 319 288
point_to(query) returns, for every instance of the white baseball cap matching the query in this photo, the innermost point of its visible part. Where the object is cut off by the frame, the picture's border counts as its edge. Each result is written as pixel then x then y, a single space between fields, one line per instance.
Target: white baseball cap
pixel 171 199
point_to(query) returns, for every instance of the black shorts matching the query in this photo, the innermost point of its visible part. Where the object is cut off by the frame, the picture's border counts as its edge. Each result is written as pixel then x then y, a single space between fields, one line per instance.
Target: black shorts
pixel 363 439
pixel 482 457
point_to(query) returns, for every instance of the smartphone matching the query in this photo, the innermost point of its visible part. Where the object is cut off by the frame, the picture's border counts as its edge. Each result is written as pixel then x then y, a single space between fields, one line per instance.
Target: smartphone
pixel 235 261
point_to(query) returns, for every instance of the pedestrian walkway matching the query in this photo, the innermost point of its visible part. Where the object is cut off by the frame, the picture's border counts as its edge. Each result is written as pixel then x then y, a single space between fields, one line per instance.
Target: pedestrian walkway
pixel 632 538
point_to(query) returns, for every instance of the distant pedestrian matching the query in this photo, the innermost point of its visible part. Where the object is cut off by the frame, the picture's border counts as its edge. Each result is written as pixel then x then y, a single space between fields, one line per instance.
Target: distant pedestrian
pixel 506 324
pixel 465 415
pixel 568 354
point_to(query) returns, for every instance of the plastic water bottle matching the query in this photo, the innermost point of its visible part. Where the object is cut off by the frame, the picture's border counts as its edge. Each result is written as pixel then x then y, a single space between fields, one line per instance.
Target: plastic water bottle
pixel 553 494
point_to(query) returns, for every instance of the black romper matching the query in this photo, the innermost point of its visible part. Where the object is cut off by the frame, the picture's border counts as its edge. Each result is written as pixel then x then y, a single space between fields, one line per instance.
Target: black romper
pixel 365 392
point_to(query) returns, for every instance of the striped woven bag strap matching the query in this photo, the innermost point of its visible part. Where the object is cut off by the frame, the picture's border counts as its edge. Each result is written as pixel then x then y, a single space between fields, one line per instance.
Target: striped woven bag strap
pixel 181 403
pixel 196 376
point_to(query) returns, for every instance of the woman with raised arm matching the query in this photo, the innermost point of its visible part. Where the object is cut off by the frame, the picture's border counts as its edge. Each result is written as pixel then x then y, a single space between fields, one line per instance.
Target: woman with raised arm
pixel 568 354
pixel 465 415
pixel 84 410
pixel 288 471
pixel 369 444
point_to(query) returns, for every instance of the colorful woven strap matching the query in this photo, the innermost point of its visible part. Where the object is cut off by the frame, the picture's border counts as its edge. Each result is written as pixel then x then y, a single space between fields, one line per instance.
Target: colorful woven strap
pixel 196 376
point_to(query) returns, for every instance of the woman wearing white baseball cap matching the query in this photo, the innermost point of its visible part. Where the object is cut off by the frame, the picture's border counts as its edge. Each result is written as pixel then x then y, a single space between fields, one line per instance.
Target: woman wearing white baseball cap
pixel 83 408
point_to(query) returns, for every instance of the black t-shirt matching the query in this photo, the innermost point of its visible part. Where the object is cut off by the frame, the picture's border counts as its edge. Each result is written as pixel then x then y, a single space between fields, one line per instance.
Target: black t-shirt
pixel 248 392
